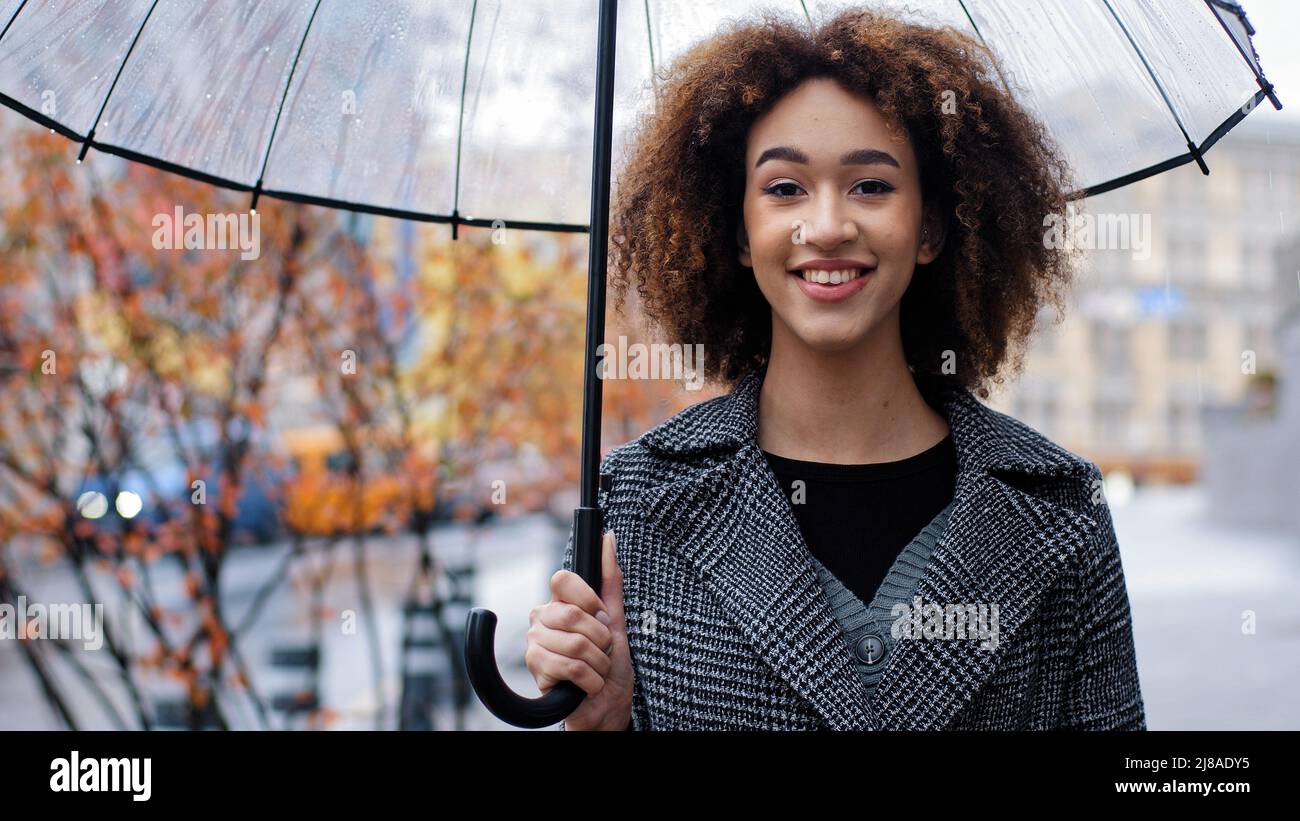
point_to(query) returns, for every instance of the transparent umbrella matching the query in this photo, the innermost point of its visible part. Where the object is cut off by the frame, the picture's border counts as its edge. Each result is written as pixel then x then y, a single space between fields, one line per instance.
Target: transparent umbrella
pixel 430 111
pixel 495 113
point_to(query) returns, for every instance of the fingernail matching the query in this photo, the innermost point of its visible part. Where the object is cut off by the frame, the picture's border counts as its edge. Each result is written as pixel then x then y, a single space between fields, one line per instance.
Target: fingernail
pixel 603 617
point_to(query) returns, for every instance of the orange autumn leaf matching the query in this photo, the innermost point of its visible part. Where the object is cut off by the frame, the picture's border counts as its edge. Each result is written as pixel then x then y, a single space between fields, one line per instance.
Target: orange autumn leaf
pixel 256 413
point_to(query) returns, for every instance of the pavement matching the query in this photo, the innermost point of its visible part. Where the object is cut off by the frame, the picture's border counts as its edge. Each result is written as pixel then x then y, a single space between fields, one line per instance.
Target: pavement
pixel 1216 618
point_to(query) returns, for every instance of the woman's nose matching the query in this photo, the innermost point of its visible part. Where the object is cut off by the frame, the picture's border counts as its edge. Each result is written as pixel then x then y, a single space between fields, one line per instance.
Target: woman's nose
pixel 829 227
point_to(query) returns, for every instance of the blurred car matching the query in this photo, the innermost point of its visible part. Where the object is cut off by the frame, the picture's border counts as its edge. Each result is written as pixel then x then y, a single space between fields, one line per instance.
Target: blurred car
pixel 305 481
pixel 160 493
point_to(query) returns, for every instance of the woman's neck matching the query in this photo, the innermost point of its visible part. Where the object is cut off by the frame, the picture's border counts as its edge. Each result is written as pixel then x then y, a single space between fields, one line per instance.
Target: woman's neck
pixel 855 406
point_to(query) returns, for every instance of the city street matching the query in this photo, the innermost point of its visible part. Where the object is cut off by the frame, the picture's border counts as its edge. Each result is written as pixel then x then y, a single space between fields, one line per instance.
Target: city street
pixel 1190 583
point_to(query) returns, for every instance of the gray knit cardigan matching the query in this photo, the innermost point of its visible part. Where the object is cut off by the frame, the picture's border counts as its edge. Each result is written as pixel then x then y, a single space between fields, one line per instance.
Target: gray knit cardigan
pixel 872 622
pixel 730 628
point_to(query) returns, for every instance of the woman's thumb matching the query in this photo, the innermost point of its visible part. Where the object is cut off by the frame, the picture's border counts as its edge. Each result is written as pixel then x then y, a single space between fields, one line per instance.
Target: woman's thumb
pixel 611 580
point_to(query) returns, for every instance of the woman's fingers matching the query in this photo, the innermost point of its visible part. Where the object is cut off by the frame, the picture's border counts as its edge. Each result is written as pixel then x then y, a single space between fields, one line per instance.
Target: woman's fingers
pixel 611 580
pixel 567 586
pixel 549 666
pixel 570 618
pixel 566 639
pixel 574 646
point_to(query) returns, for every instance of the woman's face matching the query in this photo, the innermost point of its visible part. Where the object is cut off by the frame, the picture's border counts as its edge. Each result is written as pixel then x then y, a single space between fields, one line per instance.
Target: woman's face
pixel 832 195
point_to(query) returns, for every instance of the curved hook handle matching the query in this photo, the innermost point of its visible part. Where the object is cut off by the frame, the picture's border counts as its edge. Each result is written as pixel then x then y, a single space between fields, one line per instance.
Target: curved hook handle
pixel 496 695
pixel 480 644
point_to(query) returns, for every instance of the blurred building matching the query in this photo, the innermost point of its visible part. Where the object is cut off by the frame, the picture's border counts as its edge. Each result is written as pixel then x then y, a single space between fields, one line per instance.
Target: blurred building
pixel 1251 463
pixel 1182 317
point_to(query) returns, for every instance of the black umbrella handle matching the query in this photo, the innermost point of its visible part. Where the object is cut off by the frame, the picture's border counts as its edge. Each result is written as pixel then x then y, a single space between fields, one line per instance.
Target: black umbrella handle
pixel 480 656
pixel 480 644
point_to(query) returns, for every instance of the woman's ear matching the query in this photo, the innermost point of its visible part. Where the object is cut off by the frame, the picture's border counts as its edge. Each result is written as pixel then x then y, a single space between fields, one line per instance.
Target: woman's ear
pixel 934 230
pixel 742 244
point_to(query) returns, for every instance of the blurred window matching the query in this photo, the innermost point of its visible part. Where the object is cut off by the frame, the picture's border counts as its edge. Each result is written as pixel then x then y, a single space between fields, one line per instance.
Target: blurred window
pixel 1110 343
pixel 1187 339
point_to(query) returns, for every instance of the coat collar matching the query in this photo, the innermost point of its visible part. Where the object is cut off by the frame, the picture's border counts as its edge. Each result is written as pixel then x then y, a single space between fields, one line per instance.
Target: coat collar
pixel 1002 544
pixel 986 441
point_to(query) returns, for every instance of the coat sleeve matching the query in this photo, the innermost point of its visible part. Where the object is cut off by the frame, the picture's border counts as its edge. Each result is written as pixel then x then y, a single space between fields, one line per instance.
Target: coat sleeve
pixel 1104 693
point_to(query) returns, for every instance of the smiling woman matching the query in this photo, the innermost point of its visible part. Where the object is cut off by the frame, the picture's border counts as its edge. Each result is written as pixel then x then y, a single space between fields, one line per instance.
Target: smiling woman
pixel 878 118
pixel 848 220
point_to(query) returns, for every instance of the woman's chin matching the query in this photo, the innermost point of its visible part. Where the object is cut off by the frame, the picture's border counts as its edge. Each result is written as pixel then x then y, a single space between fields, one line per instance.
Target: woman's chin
pixel 831 340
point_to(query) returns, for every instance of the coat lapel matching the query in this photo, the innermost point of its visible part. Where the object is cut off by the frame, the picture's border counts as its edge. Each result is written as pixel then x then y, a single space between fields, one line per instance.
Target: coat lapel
pixel 739 534
pixel 1002 546
pixel 732 522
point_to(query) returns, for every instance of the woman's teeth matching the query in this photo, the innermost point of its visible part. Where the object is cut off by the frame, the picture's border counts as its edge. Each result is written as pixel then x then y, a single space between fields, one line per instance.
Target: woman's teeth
pixel 831 277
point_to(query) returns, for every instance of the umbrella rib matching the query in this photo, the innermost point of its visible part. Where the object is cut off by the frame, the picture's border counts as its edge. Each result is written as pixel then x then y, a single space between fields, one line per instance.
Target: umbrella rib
pixel 997 65
pixel 266 158
pixel 90 136
pixel 487 55
pixel 460 122
pixel 1191 145
pixel 12 18
pixel 424 216
pixel 650 42
pixel 290 196
pixel 971 20
pixel 1263 82
pixel 1224 127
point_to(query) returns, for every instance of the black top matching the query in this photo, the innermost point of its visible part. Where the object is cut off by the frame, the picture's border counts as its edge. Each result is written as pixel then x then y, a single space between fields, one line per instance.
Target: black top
pixel 856 519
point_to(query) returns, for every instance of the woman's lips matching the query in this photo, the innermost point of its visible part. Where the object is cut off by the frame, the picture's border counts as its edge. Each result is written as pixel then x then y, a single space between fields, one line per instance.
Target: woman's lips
pixel 832 293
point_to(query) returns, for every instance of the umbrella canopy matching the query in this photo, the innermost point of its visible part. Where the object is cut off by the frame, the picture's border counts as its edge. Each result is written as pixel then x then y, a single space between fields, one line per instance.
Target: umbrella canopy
pixel 472 111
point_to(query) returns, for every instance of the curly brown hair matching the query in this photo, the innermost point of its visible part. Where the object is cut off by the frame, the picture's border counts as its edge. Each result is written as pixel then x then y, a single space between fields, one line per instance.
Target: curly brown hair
pixel 986 164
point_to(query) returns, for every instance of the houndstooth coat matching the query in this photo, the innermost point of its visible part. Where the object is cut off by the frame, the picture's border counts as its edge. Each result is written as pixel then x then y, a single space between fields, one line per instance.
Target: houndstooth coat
pixel 729 629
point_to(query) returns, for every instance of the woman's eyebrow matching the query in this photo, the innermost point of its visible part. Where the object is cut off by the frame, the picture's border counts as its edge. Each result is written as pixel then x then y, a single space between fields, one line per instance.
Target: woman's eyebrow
pixel 861 156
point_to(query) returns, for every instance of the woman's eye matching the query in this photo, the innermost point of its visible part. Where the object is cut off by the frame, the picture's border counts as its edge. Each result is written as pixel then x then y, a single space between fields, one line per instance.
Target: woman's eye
pixel 875 187
pixel 782 189
pixel 785 190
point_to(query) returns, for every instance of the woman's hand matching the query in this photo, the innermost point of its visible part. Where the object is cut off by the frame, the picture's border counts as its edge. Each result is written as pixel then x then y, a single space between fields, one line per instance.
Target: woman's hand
pixel 581 637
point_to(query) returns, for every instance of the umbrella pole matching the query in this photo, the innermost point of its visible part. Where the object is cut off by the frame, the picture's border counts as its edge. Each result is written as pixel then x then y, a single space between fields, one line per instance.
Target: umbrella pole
pixel 480 637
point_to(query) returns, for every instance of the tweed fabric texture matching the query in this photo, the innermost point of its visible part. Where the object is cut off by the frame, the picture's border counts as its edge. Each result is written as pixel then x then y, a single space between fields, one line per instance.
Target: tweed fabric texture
pixel 730 629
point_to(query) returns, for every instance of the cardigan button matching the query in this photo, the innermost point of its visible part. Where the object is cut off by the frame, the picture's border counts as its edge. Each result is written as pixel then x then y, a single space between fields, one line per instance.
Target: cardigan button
pixel 870 650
